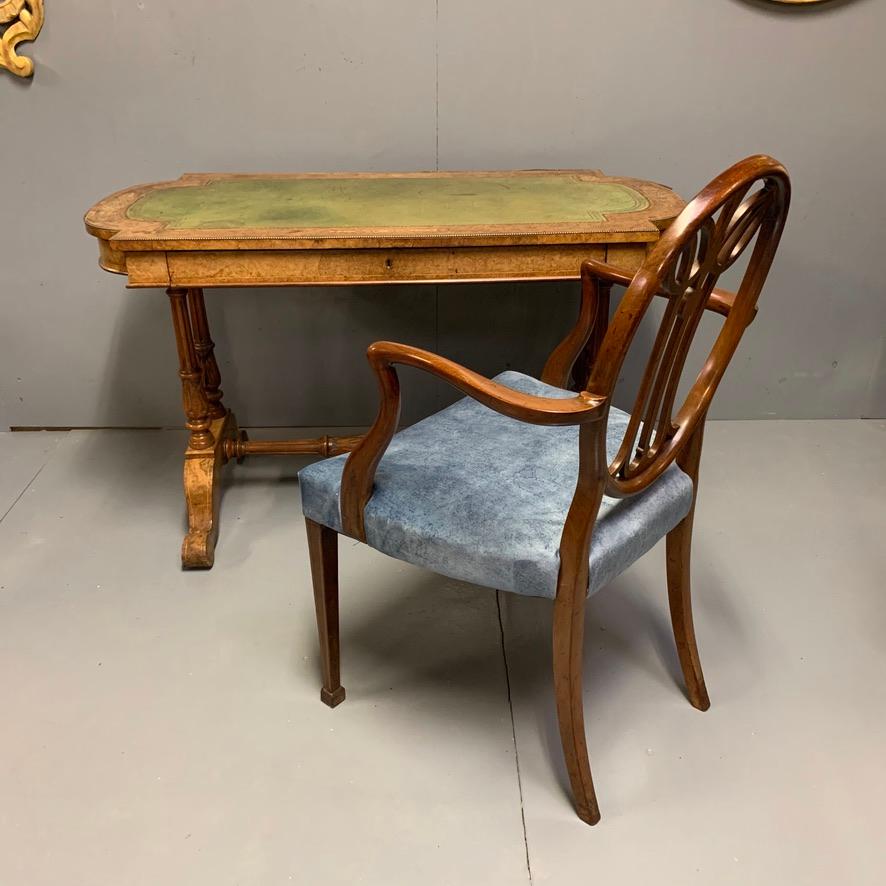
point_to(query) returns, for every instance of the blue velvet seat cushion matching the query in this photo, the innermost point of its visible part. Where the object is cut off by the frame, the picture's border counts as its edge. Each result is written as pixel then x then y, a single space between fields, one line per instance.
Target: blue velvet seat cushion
pixel 481 497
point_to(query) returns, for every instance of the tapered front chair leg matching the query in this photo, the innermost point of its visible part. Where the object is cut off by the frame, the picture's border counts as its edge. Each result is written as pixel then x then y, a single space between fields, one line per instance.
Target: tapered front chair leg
pixel 568 639
pixel 323 551
pixel 678 551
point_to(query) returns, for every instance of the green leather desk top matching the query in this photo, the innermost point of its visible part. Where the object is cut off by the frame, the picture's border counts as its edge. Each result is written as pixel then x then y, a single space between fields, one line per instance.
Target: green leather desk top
pixel 533 206
pixel 397 202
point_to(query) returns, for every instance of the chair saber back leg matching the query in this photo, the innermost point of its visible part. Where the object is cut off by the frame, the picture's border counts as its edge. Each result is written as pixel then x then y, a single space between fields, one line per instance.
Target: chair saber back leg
pixel 568 648
pixel 678 548
pixel 569 617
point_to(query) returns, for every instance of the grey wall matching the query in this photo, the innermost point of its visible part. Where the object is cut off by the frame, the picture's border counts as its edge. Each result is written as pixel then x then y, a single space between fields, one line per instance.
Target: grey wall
pixel 140 90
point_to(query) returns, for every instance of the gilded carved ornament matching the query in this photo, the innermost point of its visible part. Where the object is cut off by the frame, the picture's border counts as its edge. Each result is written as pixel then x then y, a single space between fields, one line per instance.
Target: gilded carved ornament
pixel 20 20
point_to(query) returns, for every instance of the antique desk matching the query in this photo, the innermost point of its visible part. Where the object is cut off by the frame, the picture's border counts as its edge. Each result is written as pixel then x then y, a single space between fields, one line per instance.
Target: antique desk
pixel 318 229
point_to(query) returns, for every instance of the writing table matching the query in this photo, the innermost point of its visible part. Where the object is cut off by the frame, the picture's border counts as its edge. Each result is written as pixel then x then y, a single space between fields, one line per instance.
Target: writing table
pixel 218 230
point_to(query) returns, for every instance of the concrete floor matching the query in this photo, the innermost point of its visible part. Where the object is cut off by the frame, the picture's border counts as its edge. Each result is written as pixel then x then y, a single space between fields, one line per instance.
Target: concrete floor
pixel 165 727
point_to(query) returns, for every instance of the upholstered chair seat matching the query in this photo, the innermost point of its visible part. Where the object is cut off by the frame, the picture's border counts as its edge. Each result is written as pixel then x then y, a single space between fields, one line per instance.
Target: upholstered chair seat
pixel 481 497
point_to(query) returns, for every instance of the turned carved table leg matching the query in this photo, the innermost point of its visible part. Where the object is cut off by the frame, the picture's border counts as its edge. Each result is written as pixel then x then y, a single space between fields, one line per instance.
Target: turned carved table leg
pixel 211 426
pixel 204 348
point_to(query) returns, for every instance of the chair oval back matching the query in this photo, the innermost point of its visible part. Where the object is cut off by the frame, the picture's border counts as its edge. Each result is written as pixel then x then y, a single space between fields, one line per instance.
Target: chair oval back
pixel 747 204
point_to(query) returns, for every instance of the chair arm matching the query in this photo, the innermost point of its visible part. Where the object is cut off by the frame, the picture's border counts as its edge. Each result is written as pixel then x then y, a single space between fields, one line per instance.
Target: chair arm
pixel 607 273
pixel 720 301
pixel 358 475
pixel 515 404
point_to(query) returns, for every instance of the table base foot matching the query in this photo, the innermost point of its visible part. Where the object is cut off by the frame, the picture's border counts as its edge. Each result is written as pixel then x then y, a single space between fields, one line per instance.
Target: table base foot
pixel 202 477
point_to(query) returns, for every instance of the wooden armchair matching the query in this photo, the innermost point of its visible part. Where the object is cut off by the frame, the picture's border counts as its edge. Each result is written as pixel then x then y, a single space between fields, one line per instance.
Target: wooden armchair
pixel 560 501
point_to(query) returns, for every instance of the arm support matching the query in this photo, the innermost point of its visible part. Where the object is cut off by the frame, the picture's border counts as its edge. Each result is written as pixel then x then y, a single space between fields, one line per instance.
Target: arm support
pixel 359 471
pixel 585 336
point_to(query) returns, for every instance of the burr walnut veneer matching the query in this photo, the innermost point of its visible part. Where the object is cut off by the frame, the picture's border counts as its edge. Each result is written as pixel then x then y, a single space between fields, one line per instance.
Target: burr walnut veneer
pixel 209 230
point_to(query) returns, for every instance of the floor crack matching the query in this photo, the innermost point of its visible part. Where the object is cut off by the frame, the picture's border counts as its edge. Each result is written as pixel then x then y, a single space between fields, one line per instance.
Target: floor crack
pixel 5 514
pixel 504 654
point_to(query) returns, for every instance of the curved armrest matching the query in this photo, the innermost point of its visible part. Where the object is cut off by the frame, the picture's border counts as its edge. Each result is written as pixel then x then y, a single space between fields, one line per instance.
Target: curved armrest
pixel 515 404
pixel 720 300
pixel 359 471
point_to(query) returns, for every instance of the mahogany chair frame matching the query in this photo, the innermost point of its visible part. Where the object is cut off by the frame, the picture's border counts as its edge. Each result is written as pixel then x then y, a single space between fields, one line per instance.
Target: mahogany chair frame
pixel 746 204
